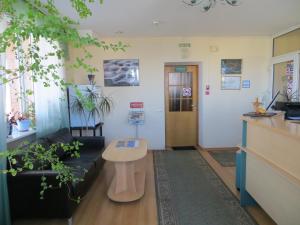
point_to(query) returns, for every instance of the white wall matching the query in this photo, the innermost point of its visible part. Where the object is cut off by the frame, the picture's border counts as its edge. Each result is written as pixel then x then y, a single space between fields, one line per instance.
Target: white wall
pixel 219 112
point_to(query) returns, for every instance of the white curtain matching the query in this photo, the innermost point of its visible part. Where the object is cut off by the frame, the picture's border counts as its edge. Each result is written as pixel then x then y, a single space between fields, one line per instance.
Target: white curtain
pixel 50 102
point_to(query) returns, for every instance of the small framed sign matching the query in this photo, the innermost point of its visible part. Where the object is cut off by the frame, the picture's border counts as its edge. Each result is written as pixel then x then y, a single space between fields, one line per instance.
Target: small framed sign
pixel 187 92
pixel 180 69
pixel 136 105
pixel 246 84
pixel 231 83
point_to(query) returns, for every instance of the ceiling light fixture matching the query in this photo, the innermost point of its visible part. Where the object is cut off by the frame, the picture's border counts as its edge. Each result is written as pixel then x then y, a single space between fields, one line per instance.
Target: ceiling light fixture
pixel 156 22
pixel 208 4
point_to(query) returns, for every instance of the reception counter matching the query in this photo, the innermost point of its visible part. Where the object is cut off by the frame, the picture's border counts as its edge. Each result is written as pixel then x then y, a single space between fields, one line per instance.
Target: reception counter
pixel 270 167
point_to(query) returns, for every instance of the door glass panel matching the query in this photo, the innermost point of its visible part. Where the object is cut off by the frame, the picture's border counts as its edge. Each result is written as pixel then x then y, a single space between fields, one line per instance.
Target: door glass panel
pixel 187 105
pixel 283 80
pixel 174 78
pixel 180 92
pixel 187 79
pixel 174 104
pixel 174 91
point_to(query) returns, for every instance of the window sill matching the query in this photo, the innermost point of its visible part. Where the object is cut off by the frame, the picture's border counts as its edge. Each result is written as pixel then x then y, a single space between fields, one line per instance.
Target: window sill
pixel 17 135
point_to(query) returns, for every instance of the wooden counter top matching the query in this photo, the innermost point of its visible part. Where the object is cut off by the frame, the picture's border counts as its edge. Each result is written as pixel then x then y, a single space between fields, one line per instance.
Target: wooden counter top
pixel 277 124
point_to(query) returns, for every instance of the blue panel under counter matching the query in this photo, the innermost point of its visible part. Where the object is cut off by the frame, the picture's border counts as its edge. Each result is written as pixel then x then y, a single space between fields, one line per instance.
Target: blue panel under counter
pixel 245 197
pixel 238 159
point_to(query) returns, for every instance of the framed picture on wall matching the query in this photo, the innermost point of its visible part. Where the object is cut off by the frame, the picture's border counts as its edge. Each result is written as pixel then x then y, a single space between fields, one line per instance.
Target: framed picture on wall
pixel 231 66
pixel 121 72
pixel 231 83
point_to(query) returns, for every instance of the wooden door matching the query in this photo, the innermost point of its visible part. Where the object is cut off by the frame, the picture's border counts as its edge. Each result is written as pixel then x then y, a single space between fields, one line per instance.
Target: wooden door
pixel 181 101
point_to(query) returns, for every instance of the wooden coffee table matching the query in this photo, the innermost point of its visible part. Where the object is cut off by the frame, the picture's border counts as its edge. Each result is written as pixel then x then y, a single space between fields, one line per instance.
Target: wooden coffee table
pixel 128 183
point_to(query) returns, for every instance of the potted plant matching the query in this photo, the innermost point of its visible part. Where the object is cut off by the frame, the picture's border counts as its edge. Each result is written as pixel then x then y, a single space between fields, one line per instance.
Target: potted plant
pixel 89 104
pixel 91 78
pixel 23 123
pixel 10 122
pixel 19 120
pixel 288 94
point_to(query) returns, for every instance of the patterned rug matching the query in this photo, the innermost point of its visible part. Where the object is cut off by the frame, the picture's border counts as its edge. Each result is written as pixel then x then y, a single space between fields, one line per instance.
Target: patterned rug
pixel 225 158
pixel 190 193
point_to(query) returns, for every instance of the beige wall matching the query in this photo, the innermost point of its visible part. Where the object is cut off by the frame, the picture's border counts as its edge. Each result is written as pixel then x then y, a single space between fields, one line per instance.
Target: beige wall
pixel 219 112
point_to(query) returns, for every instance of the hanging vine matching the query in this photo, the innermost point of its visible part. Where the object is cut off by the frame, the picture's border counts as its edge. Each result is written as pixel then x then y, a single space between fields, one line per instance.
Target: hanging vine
pixel 35 19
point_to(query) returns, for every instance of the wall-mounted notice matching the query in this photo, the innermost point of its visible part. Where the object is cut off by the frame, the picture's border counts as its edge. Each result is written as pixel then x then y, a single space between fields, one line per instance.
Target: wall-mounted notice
pixel 180 69
pixel 207 89
pixel 231 83
pixel 246 84
pixel 186 92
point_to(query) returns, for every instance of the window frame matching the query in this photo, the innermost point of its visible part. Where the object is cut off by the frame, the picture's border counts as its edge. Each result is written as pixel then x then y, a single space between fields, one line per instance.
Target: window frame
pixel 295 57
pixel 291 29
pixel 24 106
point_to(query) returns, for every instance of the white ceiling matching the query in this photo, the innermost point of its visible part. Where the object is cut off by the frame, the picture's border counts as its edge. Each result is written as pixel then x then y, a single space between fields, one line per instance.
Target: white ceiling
pixel 135 17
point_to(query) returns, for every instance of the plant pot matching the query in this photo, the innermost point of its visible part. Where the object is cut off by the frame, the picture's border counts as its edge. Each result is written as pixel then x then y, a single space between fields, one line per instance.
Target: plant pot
pixel 9 129
pixel 23 125
pixel 91 78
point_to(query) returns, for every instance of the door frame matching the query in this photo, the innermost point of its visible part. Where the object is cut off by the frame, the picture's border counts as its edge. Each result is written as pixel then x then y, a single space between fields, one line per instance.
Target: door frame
pixel 199 133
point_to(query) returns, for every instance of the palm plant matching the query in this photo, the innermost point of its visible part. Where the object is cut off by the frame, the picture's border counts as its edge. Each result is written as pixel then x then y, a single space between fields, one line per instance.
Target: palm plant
pixel 90 104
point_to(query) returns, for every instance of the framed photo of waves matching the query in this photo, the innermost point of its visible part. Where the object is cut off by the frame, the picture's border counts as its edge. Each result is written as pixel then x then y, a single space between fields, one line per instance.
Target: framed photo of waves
pixel 121 72
pixel 231 66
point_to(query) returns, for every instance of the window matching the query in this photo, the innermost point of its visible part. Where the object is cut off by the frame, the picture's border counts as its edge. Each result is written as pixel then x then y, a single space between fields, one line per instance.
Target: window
pixel 18 101
pixel 286 43
pixel 285 66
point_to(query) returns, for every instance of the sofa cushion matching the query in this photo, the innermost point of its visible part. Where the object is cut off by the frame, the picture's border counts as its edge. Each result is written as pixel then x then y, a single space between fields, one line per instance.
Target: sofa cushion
pixel 92 155
pixel 61 136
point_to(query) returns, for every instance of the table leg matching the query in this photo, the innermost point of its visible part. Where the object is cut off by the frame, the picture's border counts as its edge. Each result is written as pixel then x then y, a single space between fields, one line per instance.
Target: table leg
pixel 128 183
pixel 125 177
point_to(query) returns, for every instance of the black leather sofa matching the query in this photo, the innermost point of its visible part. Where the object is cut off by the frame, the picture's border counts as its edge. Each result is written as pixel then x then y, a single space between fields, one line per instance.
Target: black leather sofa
pixel 24 189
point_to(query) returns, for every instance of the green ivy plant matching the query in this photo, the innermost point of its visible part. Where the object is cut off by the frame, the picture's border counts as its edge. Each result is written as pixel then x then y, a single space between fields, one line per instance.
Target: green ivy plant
pixel 38 157
pixel 33 20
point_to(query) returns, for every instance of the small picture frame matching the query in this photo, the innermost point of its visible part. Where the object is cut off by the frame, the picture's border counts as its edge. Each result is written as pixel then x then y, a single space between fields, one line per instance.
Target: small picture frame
pixel 231 66
pixel 246 84
pixel 231 83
